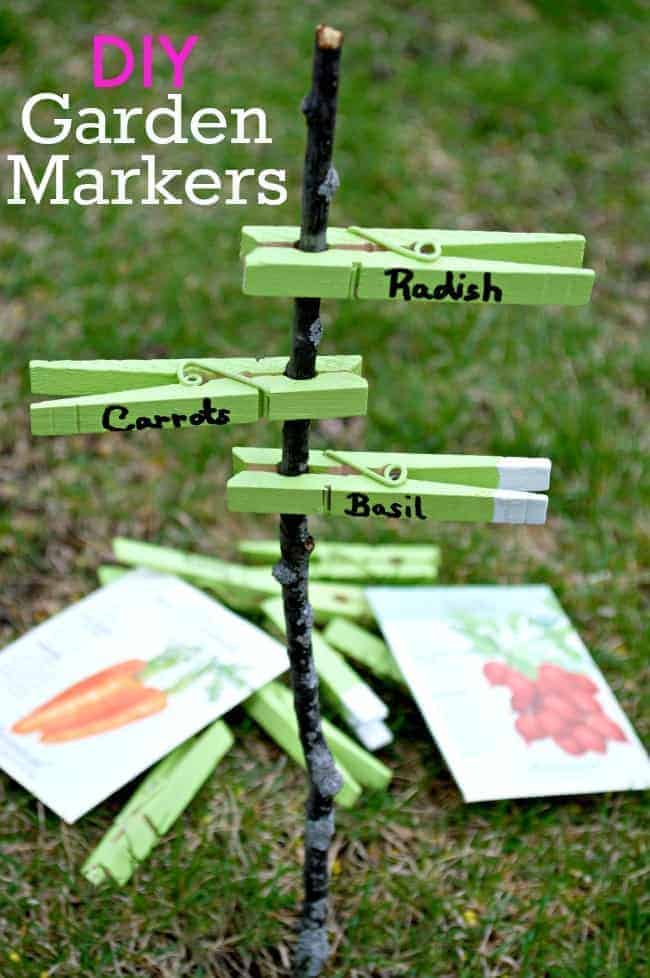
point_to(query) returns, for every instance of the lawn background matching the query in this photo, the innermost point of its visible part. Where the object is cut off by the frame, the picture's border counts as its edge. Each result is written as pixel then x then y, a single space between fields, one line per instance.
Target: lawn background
pixel 517 115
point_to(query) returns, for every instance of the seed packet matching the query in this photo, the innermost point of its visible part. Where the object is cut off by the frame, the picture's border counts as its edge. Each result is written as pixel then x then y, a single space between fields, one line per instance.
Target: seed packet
pixel 509 692
pixel 98 693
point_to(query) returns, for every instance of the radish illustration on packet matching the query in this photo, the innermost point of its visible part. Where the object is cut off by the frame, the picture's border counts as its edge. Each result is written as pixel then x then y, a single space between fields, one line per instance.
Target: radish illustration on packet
pixel 509 692
pixel 557 703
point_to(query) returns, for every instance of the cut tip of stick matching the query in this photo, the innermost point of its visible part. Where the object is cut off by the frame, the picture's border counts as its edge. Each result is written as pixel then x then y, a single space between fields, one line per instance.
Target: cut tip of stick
pixel 328 38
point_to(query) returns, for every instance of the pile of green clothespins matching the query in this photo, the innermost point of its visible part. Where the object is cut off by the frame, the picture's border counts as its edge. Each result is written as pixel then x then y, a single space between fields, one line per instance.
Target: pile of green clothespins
pixel 341 614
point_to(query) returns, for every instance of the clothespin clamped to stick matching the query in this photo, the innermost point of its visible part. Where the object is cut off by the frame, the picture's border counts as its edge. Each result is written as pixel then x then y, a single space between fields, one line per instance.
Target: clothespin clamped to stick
pixel 136 395
pixel 393 486
pixel 419 264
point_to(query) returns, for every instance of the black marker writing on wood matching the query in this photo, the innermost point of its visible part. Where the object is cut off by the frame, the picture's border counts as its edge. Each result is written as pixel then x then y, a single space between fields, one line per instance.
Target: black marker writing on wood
pixel 207 414
pixel 361 506
pixel 401 279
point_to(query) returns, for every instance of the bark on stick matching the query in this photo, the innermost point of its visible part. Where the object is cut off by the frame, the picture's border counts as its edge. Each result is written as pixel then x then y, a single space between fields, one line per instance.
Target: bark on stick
pixel 296 544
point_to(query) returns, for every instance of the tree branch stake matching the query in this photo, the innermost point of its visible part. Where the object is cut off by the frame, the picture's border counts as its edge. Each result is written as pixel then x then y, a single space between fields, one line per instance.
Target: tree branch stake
pixel 319 183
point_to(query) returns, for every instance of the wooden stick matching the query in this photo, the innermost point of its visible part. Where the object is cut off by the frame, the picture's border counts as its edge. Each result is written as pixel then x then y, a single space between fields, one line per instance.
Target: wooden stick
pixel 296 544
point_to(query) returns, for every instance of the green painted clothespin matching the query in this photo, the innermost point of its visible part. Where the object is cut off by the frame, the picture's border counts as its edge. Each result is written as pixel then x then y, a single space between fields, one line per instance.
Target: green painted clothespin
pixel 365 648
pixel 419 264
pixel 108 573
pixel 364 563
pixel 354 699
pixel 139 395
pixel 272 708
pixel 393 486
pixel 243 588
pixel 154 807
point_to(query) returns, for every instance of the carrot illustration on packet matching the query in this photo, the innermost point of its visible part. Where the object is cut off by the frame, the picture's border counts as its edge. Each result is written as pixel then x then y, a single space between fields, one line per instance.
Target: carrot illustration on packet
pixel 91 690
pixel 117 696
pixel 133 702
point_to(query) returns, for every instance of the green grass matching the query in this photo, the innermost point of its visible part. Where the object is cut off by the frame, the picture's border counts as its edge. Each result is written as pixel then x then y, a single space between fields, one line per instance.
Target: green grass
pixel 529 116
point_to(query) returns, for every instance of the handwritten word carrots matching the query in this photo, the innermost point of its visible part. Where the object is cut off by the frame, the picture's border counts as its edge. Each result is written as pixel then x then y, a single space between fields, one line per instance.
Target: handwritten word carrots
pixel 559 704
pixel 103 701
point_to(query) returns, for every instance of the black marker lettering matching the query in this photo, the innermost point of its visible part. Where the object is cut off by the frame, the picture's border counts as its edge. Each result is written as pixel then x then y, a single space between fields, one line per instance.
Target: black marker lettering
pixel 447 290
pixel 455 289
pixel 123 413
pixel 396 284
pixel 360 505
pixel 207 414
pixel 209 411
pixel 420 291
pixel 488 287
